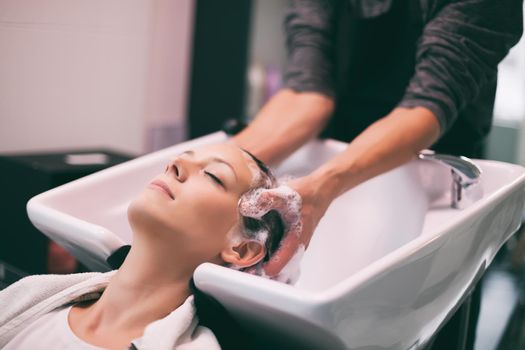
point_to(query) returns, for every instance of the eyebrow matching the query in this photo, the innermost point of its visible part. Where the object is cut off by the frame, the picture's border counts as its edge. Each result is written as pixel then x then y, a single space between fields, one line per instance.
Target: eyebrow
pixel 214 159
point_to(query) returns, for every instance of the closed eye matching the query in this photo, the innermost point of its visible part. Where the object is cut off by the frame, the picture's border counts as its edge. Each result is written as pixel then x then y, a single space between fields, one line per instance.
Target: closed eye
pixel 216 179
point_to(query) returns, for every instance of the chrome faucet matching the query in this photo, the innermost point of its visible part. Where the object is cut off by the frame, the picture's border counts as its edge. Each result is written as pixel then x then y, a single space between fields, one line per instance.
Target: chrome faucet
pixel 465 173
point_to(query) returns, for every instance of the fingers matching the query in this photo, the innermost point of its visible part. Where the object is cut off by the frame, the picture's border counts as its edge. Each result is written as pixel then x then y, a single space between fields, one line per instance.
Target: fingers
pixel 283 255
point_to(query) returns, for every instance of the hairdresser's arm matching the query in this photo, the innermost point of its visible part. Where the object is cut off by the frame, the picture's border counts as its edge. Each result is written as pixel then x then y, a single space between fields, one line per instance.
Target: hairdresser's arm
pixel 300 111
pixel 285 123
pixel 384 145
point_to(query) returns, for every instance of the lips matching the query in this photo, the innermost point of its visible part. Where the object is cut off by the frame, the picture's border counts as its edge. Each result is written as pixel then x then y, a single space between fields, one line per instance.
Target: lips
pixel 163 186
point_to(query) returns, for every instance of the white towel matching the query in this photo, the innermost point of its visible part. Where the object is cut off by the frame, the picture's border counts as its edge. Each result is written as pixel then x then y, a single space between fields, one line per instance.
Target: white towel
pixel 33 296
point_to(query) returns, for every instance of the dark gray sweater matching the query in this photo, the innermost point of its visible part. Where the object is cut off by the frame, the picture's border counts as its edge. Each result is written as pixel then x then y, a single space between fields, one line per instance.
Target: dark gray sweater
pixel 456 54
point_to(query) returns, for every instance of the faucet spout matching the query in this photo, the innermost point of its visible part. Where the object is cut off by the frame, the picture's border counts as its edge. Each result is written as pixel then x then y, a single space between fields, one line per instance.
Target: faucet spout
pixel 465 177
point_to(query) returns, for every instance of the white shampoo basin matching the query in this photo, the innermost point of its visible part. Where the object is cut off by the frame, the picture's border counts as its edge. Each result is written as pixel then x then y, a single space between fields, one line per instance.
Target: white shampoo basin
pixel 388 264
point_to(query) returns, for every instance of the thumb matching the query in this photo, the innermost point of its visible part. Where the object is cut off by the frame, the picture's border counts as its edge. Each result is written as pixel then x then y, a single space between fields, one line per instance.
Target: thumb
pixel 283 255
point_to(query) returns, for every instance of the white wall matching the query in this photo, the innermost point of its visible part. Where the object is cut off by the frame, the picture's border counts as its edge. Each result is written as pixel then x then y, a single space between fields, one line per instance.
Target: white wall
pixel 79 73
pixel 169 73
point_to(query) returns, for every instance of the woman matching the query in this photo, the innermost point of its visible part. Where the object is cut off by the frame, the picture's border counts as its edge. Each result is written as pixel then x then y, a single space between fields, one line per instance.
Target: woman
pixel 186 216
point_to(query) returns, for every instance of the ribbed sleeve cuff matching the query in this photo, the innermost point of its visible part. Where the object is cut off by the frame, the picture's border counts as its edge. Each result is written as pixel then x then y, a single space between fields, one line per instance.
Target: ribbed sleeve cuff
pixel 299 86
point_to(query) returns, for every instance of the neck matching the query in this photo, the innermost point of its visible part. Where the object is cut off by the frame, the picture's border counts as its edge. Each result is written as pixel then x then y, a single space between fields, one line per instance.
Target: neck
pixel 147 287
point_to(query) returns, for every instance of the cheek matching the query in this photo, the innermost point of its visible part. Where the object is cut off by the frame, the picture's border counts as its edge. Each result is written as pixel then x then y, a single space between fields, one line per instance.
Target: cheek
pixel 208 214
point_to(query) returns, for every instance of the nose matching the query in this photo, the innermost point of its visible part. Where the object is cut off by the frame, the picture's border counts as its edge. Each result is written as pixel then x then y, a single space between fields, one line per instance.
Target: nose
pixel 180 169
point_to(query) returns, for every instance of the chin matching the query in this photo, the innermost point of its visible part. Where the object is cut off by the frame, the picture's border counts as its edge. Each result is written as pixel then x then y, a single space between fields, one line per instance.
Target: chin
pixel 136 212
pixel 145 215
pixel 141 215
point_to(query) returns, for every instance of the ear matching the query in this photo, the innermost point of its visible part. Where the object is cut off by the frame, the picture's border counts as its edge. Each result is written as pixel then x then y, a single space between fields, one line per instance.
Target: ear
pixel 244 254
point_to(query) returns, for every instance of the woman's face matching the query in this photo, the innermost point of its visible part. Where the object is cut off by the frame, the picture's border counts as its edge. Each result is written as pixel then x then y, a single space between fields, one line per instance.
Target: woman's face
pixel 192 205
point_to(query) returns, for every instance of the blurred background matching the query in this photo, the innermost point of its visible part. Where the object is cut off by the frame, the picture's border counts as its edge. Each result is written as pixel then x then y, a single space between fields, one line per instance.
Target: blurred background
pixel 88 84
pixel 140 75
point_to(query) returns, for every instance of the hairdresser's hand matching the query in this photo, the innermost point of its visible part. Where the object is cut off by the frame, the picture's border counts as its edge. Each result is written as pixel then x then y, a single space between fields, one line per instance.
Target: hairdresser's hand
pixel 300 220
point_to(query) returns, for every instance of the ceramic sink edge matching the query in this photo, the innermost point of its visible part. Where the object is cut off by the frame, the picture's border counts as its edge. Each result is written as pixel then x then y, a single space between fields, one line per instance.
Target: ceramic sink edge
pixel 407 250
pixel 315 304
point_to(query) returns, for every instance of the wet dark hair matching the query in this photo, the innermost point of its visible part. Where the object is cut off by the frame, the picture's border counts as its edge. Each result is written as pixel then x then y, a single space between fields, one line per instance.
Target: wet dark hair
pixel 271 222
pixel 263 167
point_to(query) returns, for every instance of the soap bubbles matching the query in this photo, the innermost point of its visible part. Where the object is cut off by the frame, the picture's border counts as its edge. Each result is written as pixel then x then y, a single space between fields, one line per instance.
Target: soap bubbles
pixel 284 199
pixel 287 202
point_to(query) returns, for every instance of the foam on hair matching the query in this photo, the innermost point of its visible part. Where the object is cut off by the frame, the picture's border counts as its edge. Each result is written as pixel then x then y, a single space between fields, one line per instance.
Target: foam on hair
pixel 269 227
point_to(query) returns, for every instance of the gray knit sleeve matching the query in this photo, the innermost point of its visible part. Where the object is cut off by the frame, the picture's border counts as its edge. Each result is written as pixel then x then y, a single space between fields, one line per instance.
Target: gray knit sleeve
pixel 309 27
pixel 459 52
